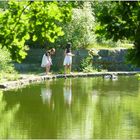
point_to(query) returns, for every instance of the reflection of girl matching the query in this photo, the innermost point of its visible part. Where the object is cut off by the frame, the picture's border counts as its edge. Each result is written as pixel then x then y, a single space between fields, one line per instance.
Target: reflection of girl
pixel 46 94
pixel 67 93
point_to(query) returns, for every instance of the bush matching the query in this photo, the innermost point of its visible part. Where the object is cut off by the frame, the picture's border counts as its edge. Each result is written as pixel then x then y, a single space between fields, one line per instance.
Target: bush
pixel 6 65
pixel 6 62
pixel 88 65
pixel 7 70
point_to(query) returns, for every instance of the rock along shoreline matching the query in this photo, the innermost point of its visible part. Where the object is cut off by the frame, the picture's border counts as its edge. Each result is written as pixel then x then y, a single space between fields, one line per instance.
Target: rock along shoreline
pixel 39 78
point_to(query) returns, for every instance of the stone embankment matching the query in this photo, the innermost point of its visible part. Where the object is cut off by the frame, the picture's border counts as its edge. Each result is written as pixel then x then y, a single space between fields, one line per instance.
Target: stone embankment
pixel 26 80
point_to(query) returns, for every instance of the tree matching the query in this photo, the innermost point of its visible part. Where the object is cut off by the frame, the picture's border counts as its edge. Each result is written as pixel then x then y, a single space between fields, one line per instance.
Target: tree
pixel 37 21
pixel 120 20
pixel 3 4
pixel 80 30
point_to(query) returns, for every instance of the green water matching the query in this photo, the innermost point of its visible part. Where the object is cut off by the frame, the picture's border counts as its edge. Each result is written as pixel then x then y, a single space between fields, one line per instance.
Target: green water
pixel 73 108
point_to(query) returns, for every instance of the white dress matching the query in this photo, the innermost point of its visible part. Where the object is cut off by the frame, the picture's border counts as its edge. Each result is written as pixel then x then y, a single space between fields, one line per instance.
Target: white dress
pixel 68 59
pixel 46 61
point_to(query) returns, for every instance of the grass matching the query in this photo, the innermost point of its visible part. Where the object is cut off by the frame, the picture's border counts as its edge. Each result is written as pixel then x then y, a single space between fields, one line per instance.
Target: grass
pixel 111 46
pixel 4 77
pixel 8 77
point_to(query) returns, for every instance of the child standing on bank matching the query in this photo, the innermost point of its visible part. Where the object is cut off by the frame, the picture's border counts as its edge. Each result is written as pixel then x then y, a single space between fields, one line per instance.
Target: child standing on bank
pixel 46 60
pixel 68 59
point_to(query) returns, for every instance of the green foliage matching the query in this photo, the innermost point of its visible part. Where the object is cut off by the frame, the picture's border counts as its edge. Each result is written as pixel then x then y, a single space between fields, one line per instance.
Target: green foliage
pixel 133 57
pixel 119 20
pixel 87 64
pixel 5 62
pixel 109 44
pixel 45 19
pixel 13 31
pixel 80 29
pixel 34 21
pixel 7 71
pixel 3 4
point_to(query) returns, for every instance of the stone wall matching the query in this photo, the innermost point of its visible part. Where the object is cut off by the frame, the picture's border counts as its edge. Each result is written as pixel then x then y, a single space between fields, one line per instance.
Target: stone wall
pixel 112 60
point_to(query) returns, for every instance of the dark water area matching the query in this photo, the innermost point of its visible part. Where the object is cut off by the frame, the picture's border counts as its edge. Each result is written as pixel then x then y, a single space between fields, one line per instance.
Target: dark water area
pixel 81 108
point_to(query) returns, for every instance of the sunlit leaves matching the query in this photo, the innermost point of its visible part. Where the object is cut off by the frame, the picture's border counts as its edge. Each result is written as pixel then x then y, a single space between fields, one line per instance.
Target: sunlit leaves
pixel 54 11
pixel 13 30
pixel 34 21
pixel 80 29
pixel 45 21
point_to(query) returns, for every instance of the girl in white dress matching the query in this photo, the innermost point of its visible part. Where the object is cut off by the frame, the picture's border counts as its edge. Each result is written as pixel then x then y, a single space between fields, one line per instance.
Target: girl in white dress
pixel 68 59
pixel 46 60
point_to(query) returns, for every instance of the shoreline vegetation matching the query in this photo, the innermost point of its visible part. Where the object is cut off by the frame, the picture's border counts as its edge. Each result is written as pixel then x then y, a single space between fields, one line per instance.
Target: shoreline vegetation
pixel 26 79
pixel 82 23
pixel 12 79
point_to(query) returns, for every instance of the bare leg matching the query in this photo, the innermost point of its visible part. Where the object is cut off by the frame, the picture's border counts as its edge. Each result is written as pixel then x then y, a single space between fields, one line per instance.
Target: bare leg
pixel 65 69
pixel 47 69
pixel 70 68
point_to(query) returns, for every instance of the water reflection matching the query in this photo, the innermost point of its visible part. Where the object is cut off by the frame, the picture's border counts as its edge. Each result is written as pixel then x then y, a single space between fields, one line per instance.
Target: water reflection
pixel 98 109
pixel 46 94
pixel 67 91
pixel 95 95
pixel 7 118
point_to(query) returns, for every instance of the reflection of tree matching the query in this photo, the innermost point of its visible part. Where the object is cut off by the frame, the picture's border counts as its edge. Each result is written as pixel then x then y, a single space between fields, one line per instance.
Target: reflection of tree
pixel 115 115
pixel 122 84
pixel 79 120
pixel 41 122
pixel 131 117
pixel 107 117
pixel 34 117
pixel 7 127
pixel 99 109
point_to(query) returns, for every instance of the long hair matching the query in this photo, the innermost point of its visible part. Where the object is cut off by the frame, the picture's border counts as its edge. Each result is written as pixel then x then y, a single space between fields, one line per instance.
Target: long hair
pixel 68 47
pixel 47 53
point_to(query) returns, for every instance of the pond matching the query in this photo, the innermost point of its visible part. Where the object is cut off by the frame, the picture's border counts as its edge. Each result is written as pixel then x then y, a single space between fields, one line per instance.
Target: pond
pixel 80 108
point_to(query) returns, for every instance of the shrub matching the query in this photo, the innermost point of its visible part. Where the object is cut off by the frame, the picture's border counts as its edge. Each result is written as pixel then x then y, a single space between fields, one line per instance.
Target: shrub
pixel 6 62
